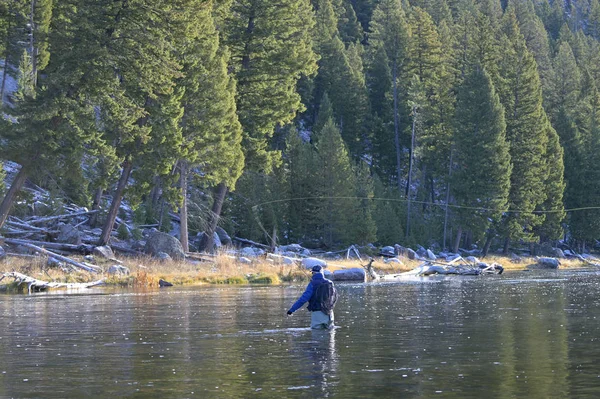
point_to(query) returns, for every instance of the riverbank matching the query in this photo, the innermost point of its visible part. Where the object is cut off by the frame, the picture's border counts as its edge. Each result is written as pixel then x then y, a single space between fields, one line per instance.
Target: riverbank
pixel 221 269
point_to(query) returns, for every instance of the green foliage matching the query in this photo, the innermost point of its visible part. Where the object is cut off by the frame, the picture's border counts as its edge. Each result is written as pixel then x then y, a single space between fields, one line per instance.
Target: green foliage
pixel 520 93
pixel 123 232
pixel 481 164
pixel 270 49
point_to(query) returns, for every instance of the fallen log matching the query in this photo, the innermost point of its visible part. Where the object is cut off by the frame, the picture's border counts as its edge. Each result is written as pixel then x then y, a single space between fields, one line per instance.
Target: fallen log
pixel 250 242
pixel 86 267
pixel 40 285
pixel 64 216
pixel 82 248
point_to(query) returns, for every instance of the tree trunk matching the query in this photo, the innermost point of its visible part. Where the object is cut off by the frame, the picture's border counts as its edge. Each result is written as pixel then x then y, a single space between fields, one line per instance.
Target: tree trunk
pixel 468 239
pixel 183 226
pixel 447 197
pixel 5 69
pixel 506 246
pixel 96 206
pixel 10 196
pixel 409 180
pixel 115 203
pixel 208 242
pixel 457 240
pixel 397 128
pixel 488 243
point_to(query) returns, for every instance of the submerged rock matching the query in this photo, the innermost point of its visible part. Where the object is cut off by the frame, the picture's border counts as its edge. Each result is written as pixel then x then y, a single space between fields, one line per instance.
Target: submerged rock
pixel 164 283
pixel 353 274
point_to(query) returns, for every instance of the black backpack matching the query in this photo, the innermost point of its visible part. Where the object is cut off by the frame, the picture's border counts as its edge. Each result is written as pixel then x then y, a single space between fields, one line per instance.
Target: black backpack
pixel 325 297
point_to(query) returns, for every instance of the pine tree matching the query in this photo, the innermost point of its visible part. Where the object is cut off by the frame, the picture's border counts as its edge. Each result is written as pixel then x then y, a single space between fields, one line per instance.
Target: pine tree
pixel 270 48
pixel 341 76
pixel 567 81
pixel 335 186
pixel 551 228
pixel 300 159
pixel 388 221
pixel 520 93
pixel 363 228
pixel 391 31
pixel 584 225
pixel 482 169
pixel 211 131
pixel 13 36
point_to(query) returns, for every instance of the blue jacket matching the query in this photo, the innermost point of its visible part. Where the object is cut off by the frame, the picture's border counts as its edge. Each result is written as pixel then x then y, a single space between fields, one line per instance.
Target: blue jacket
pixel 317 279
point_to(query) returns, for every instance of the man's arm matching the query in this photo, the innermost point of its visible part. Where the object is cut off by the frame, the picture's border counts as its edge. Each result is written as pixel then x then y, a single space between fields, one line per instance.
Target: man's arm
pixel 303 299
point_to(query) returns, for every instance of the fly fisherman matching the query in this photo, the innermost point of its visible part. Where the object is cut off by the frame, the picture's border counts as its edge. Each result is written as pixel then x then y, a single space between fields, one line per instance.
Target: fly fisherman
pixel 321 296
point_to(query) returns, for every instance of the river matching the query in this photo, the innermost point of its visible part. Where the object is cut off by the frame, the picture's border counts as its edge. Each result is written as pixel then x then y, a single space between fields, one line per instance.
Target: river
pixel 520 334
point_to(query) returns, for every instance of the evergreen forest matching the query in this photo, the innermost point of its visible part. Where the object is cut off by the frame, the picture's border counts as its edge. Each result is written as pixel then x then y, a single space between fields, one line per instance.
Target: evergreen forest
pixel 320 122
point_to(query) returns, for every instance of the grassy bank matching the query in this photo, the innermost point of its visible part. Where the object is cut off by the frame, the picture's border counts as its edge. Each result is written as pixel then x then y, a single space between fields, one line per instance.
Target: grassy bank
pixel 146 272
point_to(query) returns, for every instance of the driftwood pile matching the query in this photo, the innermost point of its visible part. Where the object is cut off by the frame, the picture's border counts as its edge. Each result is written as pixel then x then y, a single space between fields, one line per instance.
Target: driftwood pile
pixel 34 284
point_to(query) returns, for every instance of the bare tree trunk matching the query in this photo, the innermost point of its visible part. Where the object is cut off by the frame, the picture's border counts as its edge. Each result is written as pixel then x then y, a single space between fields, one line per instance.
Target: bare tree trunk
pixel 207 243
pixel 10 196
pixel 457 239
pixel 447 198
pixel 183 225
pixel 397 128
pixel 96 206
pixel 506 246
pixel 488 243
pixel 410 167
pixel 468 239
pixel 115 203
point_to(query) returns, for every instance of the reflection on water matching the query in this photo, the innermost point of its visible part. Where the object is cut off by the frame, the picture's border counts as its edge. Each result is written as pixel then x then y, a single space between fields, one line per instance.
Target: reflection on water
pixel 515 335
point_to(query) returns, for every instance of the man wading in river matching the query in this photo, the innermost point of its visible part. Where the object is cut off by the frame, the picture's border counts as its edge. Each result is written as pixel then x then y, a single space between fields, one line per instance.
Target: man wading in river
pixel 321 296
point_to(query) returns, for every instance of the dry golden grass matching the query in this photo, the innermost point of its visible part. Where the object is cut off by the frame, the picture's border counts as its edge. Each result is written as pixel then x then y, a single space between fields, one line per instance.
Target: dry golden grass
pixel 221 269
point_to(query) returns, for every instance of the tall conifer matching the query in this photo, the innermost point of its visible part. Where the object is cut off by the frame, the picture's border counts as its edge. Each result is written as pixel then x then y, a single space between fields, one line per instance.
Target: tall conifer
pixel 481 175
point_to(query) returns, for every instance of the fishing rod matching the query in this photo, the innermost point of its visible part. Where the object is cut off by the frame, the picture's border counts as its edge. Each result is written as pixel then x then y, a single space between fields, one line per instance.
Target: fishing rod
pixel 473 208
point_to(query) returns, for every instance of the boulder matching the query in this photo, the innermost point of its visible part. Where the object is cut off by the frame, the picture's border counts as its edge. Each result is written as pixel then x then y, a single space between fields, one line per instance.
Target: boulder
pixel 118 269
pixel 309 263
pixel 548 263
pixel 353 274
pixel 164 283
pixel 68 234
pixel 431 255
pixel 163 257
pixel 250 252
pixel 410 254
pixel 557 253
pixel 163 242
pixel 388 251
pixel 223 236
pixel 472 259
pixel 104 251
pixel 217 240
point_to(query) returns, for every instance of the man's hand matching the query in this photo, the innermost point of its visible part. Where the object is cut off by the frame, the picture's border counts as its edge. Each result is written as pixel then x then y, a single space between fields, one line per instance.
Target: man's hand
pixel 289 312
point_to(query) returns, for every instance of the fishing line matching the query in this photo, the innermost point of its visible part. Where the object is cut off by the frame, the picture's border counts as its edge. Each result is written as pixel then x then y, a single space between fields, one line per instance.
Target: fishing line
pixel 473 208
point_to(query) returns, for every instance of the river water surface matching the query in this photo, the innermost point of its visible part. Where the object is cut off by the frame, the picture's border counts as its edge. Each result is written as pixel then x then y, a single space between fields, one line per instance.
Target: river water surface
pixel 518 335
